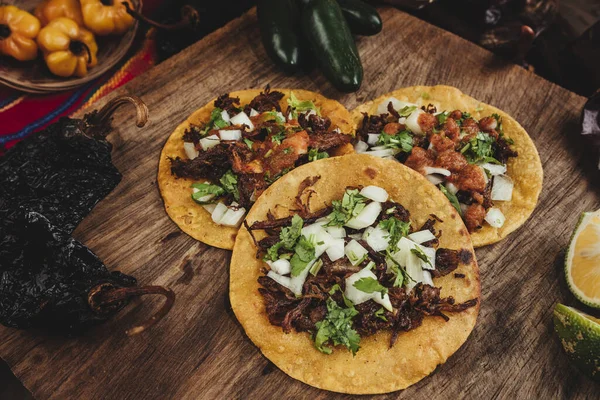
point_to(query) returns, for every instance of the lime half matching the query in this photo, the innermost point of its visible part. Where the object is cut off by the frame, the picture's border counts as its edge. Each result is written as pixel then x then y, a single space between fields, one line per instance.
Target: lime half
pixel 579 334
pixel 582 264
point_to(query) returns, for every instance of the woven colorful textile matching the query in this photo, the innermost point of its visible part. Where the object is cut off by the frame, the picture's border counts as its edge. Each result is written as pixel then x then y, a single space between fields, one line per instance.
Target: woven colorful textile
pixel 21 114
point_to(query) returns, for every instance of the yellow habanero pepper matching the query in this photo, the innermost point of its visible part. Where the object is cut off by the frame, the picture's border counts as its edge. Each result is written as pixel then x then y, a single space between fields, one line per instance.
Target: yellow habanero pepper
pixel 18 30
pixel 68 49
pixel 106 17
pixel 48 10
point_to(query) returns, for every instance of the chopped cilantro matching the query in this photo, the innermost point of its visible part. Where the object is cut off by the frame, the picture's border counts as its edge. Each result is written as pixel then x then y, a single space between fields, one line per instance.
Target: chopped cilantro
pixel 406 111
pixel 337 287
pixel 442 117
pixel 205 189
pixel 425 96
pixel 370 285
pixel 479 149
pixel 304 252
pixel 452 198
pixel 229 182
pixel 336 329
pixel 420 254
pixel 314 270
pixel 402 140
pixel 249 143
pixel 278 137
pixel 287 238
pixel 380 314
pixel 274 115
pixel 396 228
pixel 314 155
pixel 216 121
pixel 287 150
pixel 300 106
pixel 350 206
pixel 397 269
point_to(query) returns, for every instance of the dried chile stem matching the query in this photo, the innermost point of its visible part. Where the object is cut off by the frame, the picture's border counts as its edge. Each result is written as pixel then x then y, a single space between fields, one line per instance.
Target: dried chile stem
pixel 97 121
pixel 106 298
pixel 189 18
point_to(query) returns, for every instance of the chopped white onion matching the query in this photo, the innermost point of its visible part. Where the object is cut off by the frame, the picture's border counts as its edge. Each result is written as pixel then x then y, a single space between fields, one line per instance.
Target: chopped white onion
pixel 297 282
pixel 355 236
pixel 402 120
pixel 242 119
pixel 421 236
pixel 203 199
pixel 233 216
pixel 253 112
pixel 463 207
pixel 209 207
pixel 485 177
pixel 375 193
pixel 209 141
pixel 335 251
pixel 282 280
pixel 381 153
pixel 218 212
pixel 494 169
pixel 357 296
pixel 230 135
pixel 396 104
pixel 435 179
pixel 377 238
pixel 225 116
pixel 355 252
pixel 412 122
pixel 361 147
pixel 451 188
pixel 366 217
pixel 317 234
pixel 430 253
pixel 502 188
pixel 281 266
pixel 378 148
pixel 494 217
pixel 373 138
pixel 434 170
pixel 336 232
pixel 190 150
pixel 427 278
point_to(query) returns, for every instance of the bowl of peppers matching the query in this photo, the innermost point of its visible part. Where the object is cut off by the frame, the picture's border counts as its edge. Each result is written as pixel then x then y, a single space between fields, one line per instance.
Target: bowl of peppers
pixel 53 45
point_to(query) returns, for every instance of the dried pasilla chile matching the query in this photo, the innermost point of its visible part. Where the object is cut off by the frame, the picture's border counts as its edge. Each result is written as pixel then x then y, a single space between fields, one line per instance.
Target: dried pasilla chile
pixel 48 184
pixel 63 171
pixel 50 281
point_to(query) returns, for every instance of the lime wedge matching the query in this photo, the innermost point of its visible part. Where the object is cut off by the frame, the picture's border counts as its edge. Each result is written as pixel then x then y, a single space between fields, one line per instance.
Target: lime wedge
pixel 582 263
pixel 579 334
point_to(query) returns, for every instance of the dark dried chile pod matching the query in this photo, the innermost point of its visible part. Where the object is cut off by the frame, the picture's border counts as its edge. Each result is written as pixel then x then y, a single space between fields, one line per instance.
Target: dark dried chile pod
pixel 48 183
pixel 332 44
pixel 52 282
pixel 63 171
pixel 363 19
pixel 280 32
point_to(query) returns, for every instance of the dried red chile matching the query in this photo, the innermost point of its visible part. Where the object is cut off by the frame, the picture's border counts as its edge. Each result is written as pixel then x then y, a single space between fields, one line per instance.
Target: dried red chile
pixel 48 183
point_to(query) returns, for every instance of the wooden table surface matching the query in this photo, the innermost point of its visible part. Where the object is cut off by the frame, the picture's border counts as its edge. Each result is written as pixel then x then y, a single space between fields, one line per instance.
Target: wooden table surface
pixel 200 351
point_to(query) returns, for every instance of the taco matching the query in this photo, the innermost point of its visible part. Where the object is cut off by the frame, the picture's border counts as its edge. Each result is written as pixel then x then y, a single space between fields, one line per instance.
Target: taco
pixel 355 275
pixel 478 156
pixel 216 163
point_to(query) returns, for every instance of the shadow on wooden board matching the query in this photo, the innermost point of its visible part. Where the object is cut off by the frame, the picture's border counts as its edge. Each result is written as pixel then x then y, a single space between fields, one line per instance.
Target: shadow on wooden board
pixel 10 387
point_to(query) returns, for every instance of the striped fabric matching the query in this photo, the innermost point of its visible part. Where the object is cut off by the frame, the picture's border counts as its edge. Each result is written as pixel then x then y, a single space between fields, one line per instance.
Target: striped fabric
pixel 22 114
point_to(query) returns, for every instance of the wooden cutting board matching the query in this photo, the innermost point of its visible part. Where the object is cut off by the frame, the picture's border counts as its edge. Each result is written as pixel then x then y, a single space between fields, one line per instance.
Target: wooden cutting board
pixel 200 351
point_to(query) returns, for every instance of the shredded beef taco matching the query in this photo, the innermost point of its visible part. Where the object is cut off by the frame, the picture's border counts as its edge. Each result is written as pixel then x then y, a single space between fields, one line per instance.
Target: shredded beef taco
pixel 478 156
pixel 355 275
pixel 218 162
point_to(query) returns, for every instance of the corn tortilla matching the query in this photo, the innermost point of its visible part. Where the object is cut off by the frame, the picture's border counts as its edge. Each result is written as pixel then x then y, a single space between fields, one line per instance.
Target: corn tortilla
pixel 525 169
pixel 192 218
pixel 376 368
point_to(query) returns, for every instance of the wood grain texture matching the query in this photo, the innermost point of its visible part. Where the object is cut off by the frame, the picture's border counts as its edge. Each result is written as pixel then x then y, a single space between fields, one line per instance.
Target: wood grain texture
pixel 199 349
